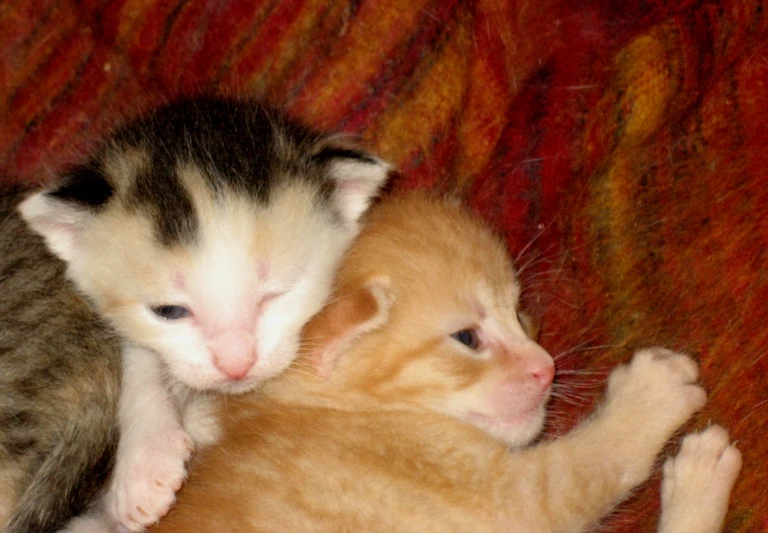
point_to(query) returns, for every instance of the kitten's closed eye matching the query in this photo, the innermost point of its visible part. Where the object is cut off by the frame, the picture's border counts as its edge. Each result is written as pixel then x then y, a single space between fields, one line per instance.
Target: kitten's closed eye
pixel 171 312
pixel 468 337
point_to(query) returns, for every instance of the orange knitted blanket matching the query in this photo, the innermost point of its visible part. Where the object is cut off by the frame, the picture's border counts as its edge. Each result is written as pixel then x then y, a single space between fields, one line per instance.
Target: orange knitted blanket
pixel 620 145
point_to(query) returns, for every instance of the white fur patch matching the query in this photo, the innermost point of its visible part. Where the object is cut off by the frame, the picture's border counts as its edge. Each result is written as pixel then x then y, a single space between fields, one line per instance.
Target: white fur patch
pixel 358 182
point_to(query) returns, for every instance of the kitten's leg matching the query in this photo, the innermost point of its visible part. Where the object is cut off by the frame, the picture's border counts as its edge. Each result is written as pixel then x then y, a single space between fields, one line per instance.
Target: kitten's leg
pixel 697 483
pixel 153 445
pixel 577 479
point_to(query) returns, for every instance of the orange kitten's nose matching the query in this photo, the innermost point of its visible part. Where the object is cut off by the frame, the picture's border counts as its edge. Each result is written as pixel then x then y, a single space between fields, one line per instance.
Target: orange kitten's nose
pixel 544 375
pixel 538 364
pixel 234 353
pixel 533 361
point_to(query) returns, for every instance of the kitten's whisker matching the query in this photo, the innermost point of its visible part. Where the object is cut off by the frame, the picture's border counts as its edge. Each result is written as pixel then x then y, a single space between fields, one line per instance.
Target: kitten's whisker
pixel 304 372
pixel 301 364
pixel 583 372
pixel 754 409
pixel 534 239
pixel 541 273
pixel 583 347
pixel 530 263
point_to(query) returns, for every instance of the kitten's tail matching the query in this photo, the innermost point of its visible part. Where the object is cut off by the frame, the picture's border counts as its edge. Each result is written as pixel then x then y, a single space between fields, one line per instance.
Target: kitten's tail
pixel 69 478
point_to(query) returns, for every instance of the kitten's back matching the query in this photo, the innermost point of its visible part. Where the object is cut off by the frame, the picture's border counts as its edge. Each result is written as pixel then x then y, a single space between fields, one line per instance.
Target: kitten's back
pixel 59 379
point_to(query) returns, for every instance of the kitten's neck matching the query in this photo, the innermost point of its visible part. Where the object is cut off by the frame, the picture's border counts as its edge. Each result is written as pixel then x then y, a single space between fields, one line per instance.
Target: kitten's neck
pixel 301 385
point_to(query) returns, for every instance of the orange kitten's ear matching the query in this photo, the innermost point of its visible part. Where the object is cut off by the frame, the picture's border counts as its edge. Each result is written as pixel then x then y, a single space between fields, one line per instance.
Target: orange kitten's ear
pixel 352 314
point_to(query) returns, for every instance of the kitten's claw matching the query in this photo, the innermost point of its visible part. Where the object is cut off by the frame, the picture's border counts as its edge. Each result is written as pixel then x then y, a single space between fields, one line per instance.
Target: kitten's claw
pixel 147 477
pixel 697 483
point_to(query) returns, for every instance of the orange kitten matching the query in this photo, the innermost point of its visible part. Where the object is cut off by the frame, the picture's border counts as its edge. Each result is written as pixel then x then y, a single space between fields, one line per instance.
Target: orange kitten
pixel 416 391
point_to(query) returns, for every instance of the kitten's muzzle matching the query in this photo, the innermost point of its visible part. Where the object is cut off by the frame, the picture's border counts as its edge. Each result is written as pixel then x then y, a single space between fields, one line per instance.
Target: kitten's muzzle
pixel 234 353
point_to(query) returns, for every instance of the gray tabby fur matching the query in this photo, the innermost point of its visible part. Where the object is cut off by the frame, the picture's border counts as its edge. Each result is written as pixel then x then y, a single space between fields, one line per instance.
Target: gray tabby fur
pixel 54 352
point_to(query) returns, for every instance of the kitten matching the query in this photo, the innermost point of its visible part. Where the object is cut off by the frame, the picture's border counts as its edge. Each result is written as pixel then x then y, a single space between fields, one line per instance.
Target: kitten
pixel 59 386
pixel 413 385
pixel 206 234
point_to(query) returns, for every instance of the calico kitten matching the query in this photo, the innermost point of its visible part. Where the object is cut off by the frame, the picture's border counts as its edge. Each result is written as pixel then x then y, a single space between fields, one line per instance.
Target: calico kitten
pixel 206 234
pixel 414 383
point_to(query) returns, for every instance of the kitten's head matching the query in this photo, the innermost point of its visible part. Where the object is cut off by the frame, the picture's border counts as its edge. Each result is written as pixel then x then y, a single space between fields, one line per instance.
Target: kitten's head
pixel 426 315
pixel 209 232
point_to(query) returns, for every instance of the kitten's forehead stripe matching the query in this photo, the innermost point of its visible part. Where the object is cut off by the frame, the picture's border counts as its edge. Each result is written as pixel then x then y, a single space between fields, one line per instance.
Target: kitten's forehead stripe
pixel 158 192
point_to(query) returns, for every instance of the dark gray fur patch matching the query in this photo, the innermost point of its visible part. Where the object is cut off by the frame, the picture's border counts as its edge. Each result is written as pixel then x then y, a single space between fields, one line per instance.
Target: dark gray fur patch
pixel 59 383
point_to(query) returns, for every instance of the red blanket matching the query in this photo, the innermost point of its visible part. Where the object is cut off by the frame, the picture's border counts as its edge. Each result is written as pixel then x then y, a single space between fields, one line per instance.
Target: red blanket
pixel 620 145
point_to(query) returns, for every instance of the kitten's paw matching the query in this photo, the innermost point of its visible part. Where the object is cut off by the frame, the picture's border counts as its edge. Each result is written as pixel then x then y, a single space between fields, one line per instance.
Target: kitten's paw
pixel 147 477
pixel 697 483
pixel 660 383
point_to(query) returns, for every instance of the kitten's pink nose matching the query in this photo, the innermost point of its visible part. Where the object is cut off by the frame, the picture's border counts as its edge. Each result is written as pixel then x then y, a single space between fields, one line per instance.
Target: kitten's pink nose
pixel 234 353
pixel 544 374
pixel 539 365
pixel 235 369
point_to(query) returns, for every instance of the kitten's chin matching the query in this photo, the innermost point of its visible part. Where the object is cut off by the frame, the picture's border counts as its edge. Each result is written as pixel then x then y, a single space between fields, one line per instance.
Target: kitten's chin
pixel 238 387
pixel 514 432
pixel 226 385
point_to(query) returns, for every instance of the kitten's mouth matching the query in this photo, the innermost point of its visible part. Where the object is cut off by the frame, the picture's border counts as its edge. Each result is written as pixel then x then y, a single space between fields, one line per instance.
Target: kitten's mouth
pixel 247 384
pixel 231 386
pixel 223 385
pixel 515 431
pixel 507 420
pixel 512 418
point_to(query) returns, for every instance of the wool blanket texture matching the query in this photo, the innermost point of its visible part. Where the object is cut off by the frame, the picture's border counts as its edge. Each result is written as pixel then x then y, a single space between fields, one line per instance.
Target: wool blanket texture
pixel 620 146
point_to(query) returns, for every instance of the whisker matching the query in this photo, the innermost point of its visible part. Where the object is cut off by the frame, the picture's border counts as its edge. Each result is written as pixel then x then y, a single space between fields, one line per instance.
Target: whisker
pixel 754 409
pixel 597 371
pixel 584 347
pixel 534 239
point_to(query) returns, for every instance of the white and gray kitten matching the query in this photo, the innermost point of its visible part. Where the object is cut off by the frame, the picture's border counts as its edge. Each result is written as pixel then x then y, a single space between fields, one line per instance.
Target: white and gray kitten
pixel 206 235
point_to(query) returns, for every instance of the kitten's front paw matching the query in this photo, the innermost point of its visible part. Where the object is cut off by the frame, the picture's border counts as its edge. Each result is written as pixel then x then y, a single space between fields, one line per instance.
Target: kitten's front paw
pixel 147 477
pixel 658 387
pixel 697 483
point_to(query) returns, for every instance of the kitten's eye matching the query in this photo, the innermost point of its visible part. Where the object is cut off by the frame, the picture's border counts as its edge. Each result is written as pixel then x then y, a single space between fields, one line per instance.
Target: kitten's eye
pixel 467 337
pixel 171 312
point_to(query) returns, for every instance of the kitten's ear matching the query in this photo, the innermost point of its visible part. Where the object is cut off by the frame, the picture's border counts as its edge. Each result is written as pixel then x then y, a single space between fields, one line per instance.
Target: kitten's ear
pixel 358 175
pixel 346 318
pixel 59 213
